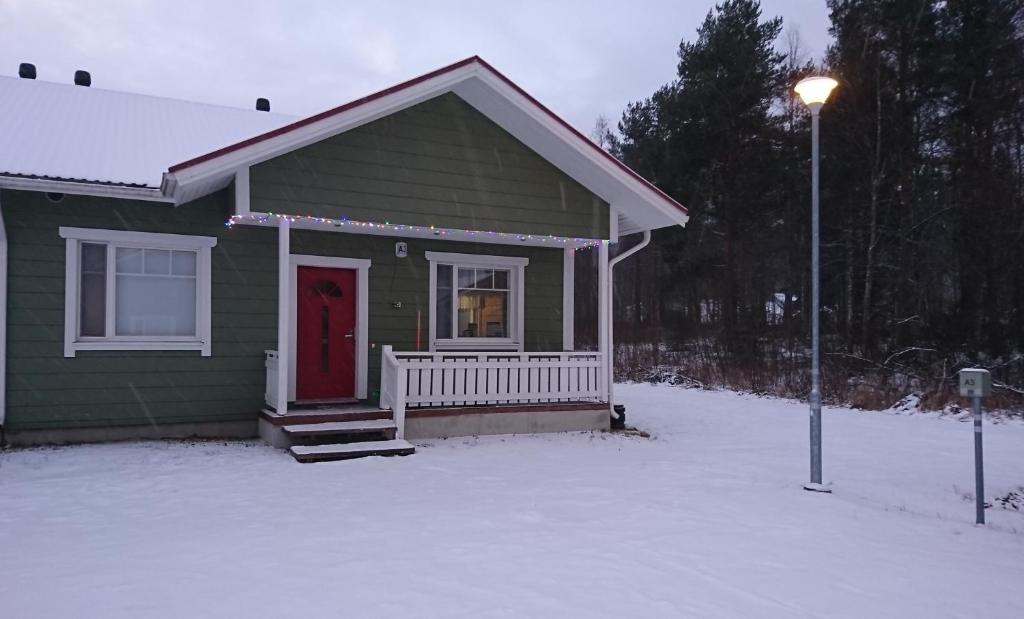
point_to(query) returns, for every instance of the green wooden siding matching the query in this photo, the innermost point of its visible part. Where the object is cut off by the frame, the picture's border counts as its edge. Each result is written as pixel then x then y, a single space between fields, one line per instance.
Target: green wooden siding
pixel 438 163
pixel 101 388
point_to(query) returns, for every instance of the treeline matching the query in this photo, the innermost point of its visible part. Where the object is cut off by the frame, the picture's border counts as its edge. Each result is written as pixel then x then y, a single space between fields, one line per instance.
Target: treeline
pixel 922 203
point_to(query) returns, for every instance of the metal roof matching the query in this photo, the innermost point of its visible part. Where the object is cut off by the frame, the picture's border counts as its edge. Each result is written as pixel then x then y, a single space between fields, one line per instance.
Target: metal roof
pixel 62 131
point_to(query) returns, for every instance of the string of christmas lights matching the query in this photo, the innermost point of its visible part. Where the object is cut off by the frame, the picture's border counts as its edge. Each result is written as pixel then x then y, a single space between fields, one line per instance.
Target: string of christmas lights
pixel 262 218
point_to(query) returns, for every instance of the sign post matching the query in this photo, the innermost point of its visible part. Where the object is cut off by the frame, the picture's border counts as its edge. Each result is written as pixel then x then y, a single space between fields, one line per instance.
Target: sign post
pixel 977 383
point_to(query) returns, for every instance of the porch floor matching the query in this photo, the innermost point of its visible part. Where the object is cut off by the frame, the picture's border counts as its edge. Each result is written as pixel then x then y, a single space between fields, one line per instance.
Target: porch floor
pixel 325 413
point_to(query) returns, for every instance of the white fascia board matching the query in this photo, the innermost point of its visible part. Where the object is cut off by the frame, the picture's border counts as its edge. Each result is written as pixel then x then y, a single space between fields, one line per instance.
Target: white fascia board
pixel 317 131
pixel 644 194
pixel 83 189
pixel 130 237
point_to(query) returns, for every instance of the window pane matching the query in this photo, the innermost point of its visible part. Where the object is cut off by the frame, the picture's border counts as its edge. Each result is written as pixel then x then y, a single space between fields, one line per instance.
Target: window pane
pixel 155 305
pixel 93 293
pixel 129 260
pixel 183 263
pixel 158 261
pixel 501 280
pixel 443 311
pixel 484 278
pixel 466 278
pixel 483 313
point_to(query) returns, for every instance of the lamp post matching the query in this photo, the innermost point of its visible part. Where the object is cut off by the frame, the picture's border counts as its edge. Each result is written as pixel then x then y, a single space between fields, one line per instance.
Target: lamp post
pixel 814 91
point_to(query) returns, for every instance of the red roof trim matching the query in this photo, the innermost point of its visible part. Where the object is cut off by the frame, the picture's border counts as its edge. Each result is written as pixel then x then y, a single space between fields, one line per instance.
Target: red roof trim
pixel 318 117
pixel 407 84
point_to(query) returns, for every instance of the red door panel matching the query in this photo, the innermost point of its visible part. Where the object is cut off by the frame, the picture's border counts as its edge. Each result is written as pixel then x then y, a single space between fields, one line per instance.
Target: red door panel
pixel 326 333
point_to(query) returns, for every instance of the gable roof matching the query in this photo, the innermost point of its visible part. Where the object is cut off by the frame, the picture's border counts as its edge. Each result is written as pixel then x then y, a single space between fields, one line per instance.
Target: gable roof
pixel 96 136
pixel 639 204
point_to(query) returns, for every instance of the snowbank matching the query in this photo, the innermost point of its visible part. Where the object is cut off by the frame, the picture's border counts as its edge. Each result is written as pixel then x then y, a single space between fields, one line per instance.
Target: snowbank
pixel 706 519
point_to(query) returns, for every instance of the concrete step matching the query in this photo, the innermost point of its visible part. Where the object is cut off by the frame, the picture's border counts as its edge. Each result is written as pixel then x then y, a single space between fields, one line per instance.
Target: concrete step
pixel 346 451
pixel 340 427
pixel 325 415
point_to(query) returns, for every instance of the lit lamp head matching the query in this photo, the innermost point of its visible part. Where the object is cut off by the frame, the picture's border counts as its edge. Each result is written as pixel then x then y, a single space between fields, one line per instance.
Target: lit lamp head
pixel 814 91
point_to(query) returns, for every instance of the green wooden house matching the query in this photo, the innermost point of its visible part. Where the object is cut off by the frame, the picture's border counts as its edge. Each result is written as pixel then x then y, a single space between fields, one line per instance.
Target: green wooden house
pixel 398 267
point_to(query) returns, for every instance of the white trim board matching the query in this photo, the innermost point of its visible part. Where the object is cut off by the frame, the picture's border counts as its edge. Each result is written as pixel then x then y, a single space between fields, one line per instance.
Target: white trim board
pixel 242 192
pixel 569 300
pixel 74 237
pixel 362 268
pixel 476 260
pixel 149 194
pixel 3 318
pixel 419 232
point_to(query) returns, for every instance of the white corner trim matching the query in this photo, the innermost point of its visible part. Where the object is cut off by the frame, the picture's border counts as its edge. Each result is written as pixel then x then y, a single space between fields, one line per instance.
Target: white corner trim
pixel 3 319
pixel 483 260
pixel 517 292
pixel 569 300
pixel 242 191
pixel 202 245
pixel 362 268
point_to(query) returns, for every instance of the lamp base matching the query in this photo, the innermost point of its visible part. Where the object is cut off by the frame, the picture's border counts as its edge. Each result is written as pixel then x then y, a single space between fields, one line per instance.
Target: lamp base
pixel 823 488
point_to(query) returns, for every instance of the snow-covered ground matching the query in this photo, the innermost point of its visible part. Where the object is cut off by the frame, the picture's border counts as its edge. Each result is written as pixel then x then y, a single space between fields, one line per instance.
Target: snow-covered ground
pixel 706 519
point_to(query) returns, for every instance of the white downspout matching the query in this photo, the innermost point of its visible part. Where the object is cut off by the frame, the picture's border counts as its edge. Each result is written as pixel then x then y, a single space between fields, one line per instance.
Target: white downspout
pixel 3 324
pixel 610 339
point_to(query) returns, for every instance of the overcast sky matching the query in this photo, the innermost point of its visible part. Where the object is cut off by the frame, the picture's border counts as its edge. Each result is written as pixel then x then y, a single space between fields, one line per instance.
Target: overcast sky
pixel 582 59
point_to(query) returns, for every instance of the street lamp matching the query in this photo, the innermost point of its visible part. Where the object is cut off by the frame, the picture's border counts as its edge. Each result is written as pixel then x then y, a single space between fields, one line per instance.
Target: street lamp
pixel 814 91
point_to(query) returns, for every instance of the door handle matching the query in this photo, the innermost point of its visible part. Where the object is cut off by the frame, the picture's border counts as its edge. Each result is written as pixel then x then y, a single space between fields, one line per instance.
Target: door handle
pixel 349 335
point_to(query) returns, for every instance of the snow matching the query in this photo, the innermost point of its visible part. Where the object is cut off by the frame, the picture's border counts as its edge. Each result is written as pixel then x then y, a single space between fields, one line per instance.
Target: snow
pixel 73 132
pixel 707 518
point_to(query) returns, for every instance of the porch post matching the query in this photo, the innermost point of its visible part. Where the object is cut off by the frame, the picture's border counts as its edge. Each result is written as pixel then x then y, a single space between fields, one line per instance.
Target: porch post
pixel 604 328
pixel 3 323
pixel 569 300
pixel 283 318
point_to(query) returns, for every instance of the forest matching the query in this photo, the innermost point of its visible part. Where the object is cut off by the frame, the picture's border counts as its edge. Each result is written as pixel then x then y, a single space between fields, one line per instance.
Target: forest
pixel 922 198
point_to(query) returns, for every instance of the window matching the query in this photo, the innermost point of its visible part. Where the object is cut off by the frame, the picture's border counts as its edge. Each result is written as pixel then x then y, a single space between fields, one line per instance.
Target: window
pixel 477 301
pixel 136 291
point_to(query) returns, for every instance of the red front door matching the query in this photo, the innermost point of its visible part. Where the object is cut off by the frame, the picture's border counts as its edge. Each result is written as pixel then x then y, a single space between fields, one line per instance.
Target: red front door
pixel 325 334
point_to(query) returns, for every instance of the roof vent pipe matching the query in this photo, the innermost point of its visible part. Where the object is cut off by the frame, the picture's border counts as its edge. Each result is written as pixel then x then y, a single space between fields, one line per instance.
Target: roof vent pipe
pixel 82 78
pixel 263 105
pixel 27 70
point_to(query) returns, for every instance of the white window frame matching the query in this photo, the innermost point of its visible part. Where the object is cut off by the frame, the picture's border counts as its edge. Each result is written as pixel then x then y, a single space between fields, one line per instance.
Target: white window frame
pixel 114 239
pixel 517 300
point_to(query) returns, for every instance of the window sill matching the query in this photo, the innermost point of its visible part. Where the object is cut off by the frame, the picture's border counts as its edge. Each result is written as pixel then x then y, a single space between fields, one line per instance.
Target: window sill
pixel 481 344
pixel 123 345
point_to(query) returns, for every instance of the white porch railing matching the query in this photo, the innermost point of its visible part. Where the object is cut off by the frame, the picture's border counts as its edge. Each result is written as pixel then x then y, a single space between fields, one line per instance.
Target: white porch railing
pixel 410 379
pixel 270 361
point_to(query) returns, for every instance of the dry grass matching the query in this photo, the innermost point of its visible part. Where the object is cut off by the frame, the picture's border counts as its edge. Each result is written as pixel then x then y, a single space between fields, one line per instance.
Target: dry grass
pixel 846 380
